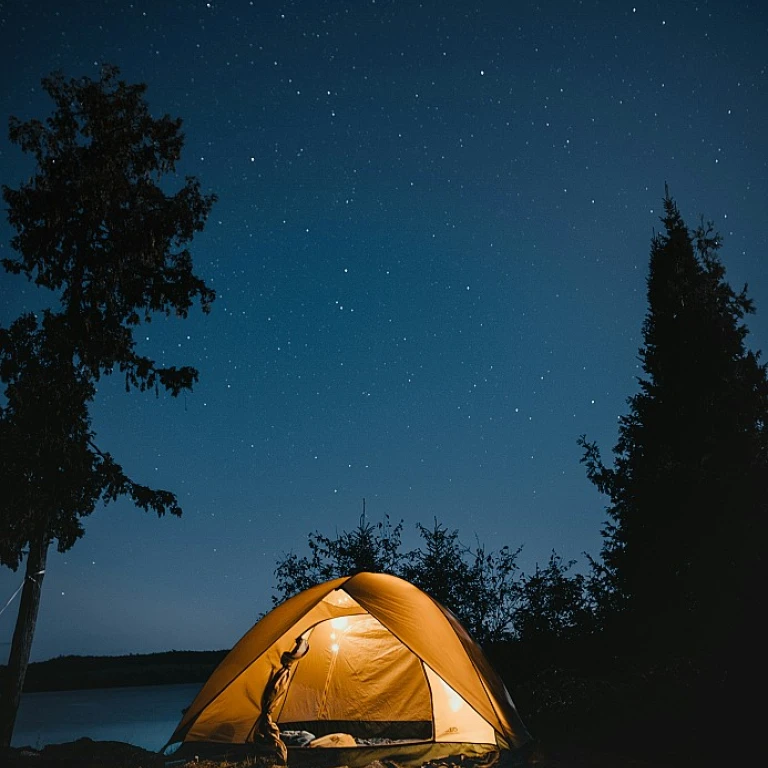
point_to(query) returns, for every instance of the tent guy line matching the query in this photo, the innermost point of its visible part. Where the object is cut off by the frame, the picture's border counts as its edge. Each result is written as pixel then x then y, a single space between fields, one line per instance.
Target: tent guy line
pixel 19 588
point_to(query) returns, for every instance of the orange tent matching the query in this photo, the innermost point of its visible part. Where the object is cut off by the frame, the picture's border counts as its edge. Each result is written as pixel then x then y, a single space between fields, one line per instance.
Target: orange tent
pixel 369 662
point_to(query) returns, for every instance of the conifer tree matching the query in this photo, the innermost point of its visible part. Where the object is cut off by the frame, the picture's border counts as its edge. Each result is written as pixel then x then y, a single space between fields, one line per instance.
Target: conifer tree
pixel 96 226
pixel 683 549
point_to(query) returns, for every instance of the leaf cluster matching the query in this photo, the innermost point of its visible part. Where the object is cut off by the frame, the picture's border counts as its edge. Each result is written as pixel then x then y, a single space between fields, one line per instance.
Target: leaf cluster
pixel 485 589
pixel 51 471
pixel 555 605
pixel 368 547
pixel 96 226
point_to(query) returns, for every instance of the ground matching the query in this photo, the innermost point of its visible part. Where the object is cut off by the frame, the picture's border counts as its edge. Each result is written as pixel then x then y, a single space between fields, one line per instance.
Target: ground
pixel 86 753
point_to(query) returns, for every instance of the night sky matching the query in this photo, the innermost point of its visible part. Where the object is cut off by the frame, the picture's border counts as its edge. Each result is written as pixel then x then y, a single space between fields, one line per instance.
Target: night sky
pixel 430 252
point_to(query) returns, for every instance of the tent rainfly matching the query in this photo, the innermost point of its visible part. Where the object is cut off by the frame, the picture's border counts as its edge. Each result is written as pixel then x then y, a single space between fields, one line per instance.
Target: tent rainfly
pixel 359 668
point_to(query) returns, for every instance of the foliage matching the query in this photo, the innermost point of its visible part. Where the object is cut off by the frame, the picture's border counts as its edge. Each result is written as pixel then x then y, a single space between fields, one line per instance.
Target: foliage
pixel 688 488
pixel 480 587
pixel 485 589
pixel 369 547
pixel 490 608
pixel 93 225
pixel 52 471
pixel 440 567
pixel 552 604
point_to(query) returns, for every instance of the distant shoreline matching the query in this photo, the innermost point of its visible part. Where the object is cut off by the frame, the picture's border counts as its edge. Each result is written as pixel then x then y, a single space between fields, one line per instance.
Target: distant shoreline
pixel 68 673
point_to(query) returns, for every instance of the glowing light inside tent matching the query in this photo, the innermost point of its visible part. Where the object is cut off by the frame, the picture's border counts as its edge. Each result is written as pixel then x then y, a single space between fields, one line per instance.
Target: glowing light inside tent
pixel 455 702
pixel 335 647
pixel 340 623
pixel 340 599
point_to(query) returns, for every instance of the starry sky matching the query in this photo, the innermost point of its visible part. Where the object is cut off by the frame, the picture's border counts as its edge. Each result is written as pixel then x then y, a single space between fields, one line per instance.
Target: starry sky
pixel 430 251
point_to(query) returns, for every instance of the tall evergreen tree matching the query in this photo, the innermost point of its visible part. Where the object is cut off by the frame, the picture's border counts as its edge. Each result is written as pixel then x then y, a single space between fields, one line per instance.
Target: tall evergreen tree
pixel 683 549
pixel 95 226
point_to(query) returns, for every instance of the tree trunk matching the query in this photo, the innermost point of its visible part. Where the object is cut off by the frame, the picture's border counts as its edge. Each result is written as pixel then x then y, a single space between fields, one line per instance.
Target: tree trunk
pixel 22 636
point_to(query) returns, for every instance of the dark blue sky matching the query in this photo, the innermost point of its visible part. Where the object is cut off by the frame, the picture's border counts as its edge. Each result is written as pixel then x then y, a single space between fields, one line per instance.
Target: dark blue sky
pixel 430 250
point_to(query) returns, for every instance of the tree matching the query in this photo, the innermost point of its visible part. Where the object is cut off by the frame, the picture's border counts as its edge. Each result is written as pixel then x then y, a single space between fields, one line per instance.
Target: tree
pixel 439 567
pixel 479 587
pixel 493 601
pixel 683 547
pixel 94 226
pixel 553 606
pixel 369 547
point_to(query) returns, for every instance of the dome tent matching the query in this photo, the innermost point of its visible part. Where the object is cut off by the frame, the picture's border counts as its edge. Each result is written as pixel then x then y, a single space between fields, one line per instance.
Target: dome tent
pixel 368 662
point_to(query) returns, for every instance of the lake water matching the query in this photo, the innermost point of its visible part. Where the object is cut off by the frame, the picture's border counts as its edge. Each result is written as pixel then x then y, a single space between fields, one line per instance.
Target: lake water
pixel 145 715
